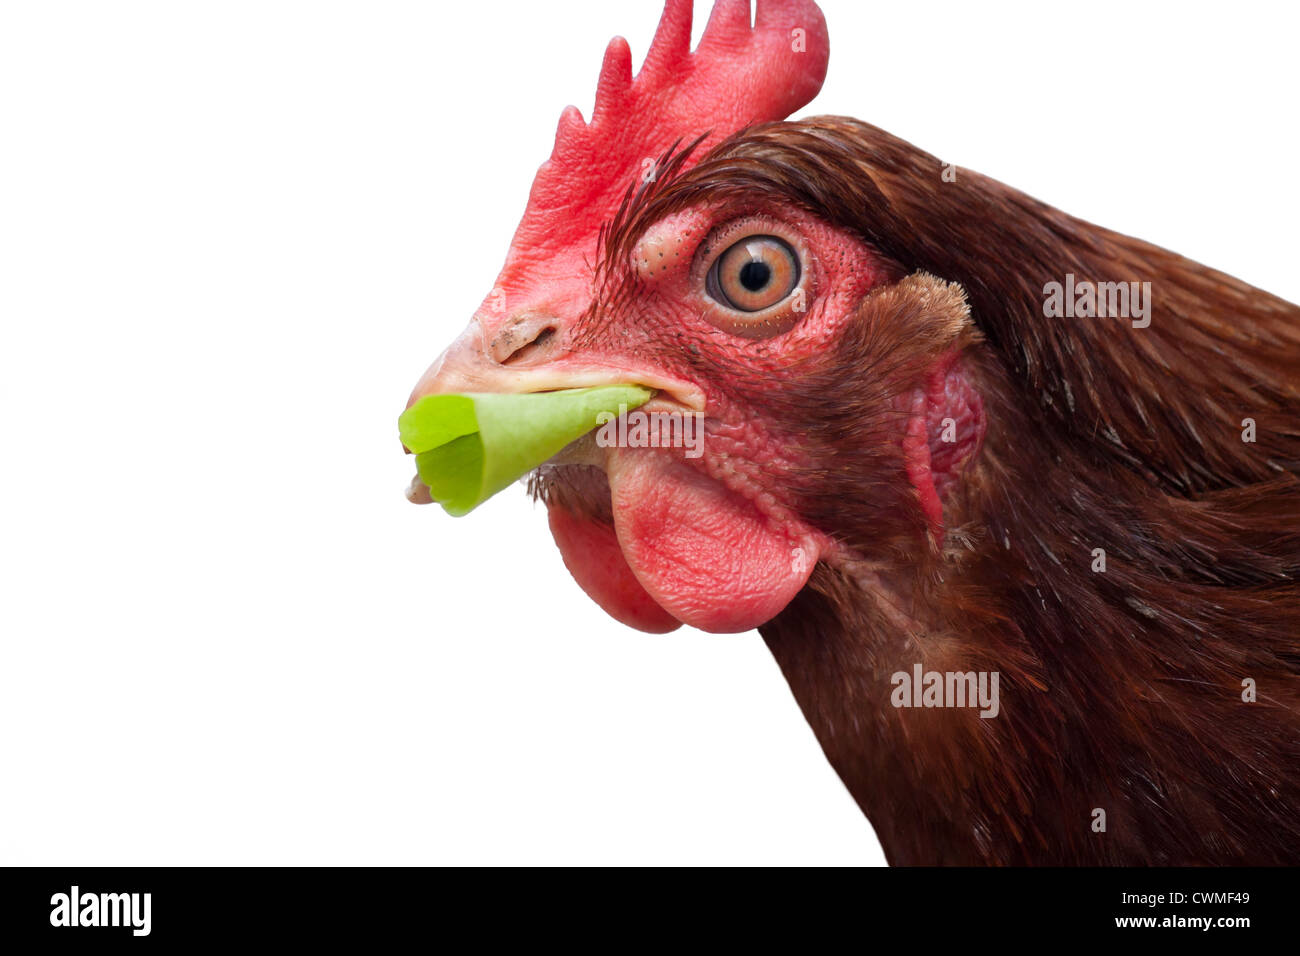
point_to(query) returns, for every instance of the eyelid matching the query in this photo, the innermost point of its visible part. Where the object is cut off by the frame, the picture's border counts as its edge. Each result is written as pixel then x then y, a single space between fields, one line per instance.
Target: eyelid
pixel 724 236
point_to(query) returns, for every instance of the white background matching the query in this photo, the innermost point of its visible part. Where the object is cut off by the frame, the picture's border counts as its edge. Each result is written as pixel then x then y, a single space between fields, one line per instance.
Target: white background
pixel 231 237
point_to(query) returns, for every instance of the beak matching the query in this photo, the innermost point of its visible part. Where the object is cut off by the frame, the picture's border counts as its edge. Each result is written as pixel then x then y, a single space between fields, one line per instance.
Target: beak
pixel 528 355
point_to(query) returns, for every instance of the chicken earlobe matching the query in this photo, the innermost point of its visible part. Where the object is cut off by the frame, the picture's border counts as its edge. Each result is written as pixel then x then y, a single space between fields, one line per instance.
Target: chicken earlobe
pixel 945 425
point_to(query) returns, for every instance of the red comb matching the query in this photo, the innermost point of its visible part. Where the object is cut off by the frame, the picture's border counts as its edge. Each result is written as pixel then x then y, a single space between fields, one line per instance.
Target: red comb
pixel 737 76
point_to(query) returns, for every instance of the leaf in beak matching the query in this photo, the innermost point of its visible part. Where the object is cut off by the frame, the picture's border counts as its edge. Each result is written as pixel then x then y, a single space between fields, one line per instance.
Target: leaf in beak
pixel 470 446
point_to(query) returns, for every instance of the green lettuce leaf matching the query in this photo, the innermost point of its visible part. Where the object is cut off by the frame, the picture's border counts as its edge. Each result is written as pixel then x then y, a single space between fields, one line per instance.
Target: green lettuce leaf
pixel 470 446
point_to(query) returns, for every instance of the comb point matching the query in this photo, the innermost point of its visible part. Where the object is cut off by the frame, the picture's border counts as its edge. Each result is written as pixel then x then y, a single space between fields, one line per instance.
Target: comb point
pixel 568 132
pixel 672 40
pixel 728 24
pixel 615 78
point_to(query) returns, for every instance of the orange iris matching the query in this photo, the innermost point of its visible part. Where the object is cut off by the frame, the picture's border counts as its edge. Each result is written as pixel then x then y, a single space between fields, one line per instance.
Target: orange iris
pixel 755 274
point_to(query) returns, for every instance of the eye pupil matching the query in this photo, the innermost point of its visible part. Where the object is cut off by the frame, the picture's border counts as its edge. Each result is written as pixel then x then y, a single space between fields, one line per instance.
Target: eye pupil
pixel 754 275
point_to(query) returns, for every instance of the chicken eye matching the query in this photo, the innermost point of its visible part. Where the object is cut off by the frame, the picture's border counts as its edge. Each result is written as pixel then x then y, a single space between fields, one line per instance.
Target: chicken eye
pixel 754 274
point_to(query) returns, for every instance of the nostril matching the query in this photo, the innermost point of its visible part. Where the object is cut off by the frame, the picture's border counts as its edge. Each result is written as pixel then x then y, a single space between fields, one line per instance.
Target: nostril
pixel 532 349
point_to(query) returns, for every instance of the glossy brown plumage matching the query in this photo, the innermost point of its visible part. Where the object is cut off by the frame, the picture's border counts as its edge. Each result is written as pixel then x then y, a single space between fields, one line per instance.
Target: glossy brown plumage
pixel 1121 690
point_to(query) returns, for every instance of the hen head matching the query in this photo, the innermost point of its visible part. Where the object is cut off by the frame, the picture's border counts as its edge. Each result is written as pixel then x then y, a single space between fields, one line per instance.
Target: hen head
pixel 687 241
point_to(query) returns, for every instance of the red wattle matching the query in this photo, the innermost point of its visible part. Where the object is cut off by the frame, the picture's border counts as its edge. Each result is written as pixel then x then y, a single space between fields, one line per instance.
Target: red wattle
pixel 703 552
pixel 591 553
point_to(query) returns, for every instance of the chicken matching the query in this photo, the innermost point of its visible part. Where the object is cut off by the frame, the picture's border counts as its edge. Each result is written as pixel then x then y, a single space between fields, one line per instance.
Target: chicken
pixel 948 430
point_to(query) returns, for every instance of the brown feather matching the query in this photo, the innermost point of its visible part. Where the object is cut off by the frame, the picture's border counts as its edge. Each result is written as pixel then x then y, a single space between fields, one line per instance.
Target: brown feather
pixel 1120 690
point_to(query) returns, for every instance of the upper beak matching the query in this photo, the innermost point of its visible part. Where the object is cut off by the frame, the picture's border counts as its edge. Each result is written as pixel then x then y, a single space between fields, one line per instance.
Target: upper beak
pixel 473 364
